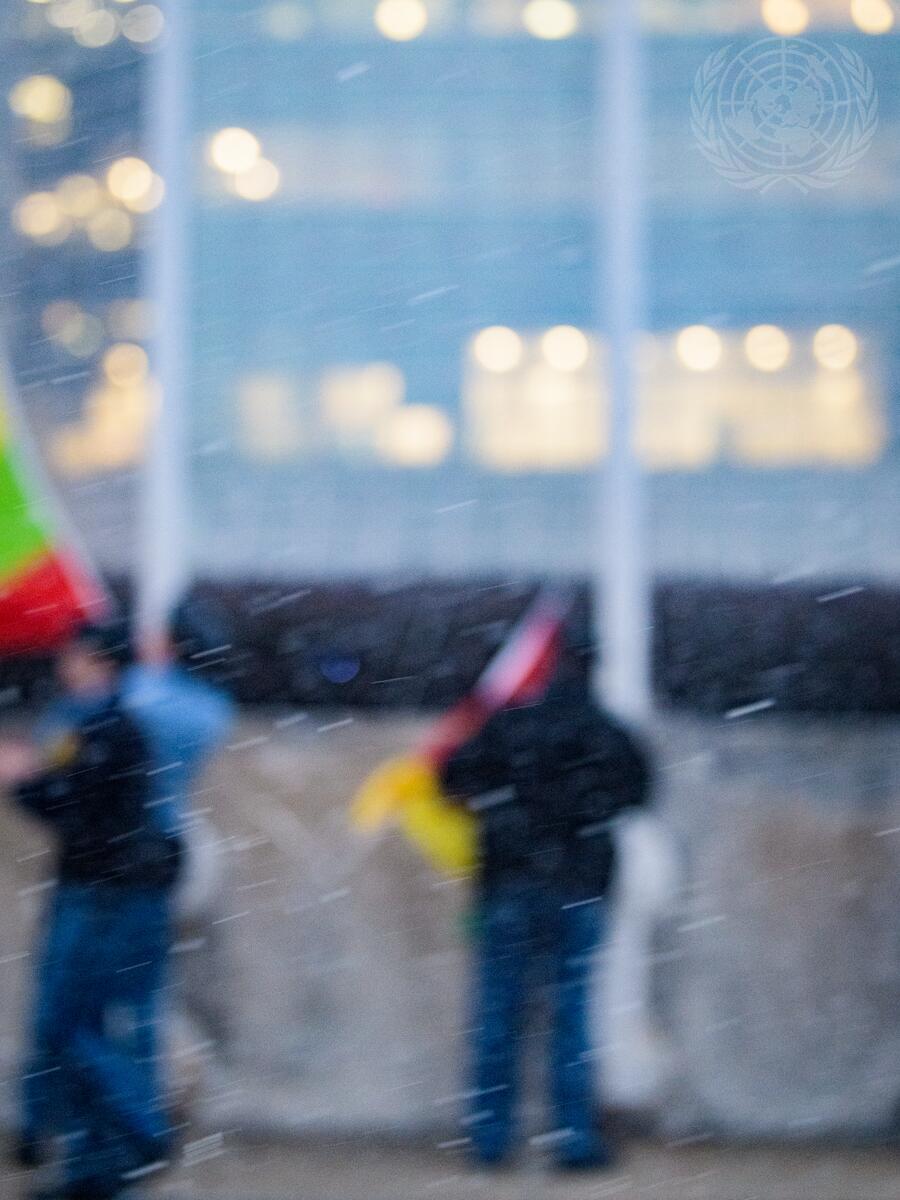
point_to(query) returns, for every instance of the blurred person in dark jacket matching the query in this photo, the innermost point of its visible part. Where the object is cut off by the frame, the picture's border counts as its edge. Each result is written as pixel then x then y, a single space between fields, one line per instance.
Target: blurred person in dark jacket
pixel 545 782
pixel 106 930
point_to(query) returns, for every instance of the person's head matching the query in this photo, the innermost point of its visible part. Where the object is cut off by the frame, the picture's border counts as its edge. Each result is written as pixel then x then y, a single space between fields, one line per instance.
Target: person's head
pixel 90 661
pixel 577 652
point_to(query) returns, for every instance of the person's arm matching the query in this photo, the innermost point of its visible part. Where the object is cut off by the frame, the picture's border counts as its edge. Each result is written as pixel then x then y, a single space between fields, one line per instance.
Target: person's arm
pixel 216 714
pixel 41 793
pixel 614 768
pixel 200 715
pixel 634 771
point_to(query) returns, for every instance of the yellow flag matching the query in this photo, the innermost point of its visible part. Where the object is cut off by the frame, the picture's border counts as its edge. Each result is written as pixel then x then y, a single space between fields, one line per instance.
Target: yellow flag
pixel 406 791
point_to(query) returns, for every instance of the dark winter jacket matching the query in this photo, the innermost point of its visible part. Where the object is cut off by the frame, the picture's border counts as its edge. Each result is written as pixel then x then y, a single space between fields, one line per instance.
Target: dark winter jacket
pixel 545 783
pixel 94 798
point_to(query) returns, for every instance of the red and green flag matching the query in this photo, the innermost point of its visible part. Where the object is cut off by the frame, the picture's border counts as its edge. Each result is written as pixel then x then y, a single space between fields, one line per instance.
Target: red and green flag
pixel 45 589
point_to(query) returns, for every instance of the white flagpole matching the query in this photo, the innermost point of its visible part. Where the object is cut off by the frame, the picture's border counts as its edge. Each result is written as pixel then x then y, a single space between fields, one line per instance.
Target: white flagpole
pixel 162 554
pixel 623 581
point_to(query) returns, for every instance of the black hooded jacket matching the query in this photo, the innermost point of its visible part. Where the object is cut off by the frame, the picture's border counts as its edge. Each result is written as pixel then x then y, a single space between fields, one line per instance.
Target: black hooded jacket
pixel 545 783
pixel 94 797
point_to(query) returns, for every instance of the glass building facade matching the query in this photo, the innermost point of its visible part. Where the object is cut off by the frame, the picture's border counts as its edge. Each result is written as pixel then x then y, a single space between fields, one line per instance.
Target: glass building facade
pixel 395 269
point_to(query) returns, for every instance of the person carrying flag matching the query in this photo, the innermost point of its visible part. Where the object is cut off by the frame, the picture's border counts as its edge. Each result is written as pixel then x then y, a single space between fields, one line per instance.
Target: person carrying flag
pixel 184 720
pixel 543 780
pixel 106 936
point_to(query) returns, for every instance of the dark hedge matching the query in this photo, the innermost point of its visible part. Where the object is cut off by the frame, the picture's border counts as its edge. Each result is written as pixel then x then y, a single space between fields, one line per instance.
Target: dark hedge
pixel 717 646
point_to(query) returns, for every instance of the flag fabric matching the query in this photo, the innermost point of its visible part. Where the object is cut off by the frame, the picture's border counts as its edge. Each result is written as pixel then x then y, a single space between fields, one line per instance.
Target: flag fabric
pixel 406 791
pixel 45 589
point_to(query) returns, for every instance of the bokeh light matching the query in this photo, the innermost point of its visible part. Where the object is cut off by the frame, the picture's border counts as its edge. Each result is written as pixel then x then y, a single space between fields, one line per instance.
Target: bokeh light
pixel 233 150
pixel 110 229
pixel 767 347
pixel 551 20
pixel 836 347
pixel 699 348
pixel 787 18
pixel 65 323
pixel 133 182
pixel 67 14
pixel 143 24
pixel 129 178
pixel 565 348
pixel 59 316
pixel 126 364
pixel 97 29
pixel 79 195
pixel 42 98
pixel 259 182
pixel 872 16
pixel 40 217
pixel 498 349
pixel 401 20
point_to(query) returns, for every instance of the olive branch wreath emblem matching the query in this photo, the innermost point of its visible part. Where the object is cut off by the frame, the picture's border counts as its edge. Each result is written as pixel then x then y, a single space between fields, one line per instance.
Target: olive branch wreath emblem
pixel 841 159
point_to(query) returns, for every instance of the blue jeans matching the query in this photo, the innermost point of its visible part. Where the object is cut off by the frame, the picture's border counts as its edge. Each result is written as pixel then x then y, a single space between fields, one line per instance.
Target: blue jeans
pixel 93 1073
pixel 524 929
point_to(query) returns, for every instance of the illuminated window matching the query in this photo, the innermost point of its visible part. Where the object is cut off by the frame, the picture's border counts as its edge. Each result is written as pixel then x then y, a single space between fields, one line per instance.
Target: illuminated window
pixel 112 433
pixel 417 435
pixel 772 406
pixel 849 428
pixel 680 422
pixel 532 408
pixel 269 421
pixel 356 401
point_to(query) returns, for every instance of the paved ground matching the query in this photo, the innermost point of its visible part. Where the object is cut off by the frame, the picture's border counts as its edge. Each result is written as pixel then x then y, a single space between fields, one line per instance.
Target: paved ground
pixel 355 1170
pixel 221 1168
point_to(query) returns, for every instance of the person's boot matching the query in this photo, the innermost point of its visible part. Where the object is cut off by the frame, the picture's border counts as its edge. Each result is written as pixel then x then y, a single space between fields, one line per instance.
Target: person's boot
pixel 600 1158
pixel 85 1189
pixel 594 1154
pixel 26 1151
